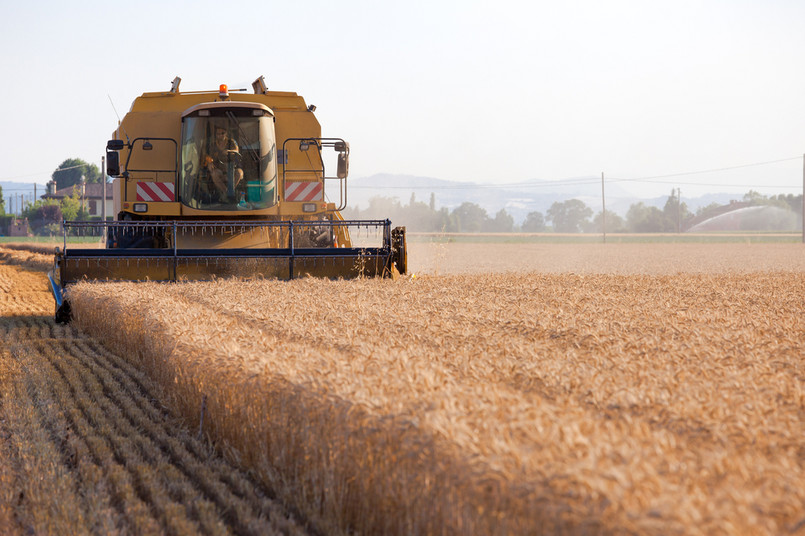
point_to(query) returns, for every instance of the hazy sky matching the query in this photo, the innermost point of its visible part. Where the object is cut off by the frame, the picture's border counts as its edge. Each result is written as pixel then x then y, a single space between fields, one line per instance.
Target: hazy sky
pixel 491 92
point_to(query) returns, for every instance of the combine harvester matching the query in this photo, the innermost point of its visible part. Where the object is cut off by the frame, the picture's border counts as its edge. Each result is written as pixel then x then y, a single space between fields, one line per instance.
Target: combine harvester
pixel 225 183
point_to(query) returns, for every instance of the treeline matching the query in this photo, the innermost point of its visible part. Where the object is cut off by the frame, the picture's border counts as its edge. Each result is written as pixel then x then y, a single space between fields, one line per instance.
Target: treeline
pixel 45 215
pixel 571 216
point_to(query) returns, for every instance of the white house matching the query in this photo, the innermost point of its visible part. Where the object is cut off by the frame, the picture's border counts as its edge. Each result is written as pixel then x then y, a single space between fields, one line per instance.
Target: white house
pixel 91 196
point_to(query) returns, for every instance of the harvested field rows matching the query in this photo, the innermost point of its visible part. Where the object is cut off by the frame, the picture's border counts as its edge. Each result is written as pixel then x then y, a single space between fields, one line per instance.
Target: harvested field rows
pixel 86 446
pixel 493 403
pixel 26 255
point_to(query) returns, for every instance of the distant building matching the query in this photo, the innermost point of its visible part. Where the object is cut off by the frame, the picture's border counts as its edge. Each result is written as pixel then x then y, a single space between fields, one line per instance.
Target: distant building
pixel 92 197
pixel 18 227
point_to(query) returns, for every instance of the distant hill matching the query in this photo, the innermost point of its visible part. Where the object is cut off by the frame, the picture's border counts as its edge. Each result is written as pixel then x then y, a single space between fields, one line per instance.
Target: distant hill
pixel 518 198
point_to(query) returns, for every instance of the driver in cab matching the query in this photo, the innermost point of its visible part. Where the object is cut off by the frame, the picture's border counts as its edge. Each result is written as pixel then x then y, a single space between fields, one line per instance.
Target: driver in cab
pixel 223 157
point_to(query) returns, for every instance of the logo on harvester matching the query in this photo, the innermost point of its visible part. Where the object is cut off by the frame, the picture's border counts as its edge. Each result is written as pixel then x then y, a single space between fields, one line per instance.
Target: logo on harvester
pixel 155 191
pixel 304 191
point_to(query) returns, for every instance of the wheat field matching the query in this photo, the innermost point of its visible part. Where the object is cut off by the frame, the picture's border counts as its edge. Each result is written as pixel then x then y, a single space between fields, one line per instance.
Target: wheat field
pixel 644 402
pixel 595 389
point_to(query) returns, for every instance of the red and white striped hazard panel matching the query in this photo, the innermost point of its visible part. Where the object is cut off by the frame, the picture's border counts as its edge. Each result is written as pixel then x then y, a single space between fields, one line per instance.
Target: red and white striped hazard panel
pixel 155 191
pixel 304 191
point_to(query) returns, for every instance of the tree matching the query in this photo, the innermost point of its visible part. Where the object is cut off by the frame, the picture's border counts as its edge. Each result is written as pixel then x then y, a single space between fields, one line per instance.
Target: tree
pixel 2 202
pixel 418 216
pixel 534 222
pixel 70 171
pixel 615 223
pixel 789 201
pixel 71 207
pixel 502 223
pixel 676 213
pixel 712 208
pixel 469 218
pixel 45 216
pixel 644 219
pixel 755 198
pixel 569 216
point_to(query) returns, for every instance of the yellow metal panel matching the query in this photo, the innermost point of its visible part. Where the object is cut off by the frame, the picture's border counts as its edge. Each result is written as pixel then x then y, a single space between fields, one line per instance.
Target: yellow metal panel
pixel 160 209
pixel 158 115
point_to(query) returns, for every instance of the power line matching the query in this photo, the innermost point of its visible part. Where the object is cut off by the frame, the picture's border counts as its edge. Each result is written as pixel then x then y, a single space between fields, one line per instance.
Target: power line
pixel 44 172
pixel 715 170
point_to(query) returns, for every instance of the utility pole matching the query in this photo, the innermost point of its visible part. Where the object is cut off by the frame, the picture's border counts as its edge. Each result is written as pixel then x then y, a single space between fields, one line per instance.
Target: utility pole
pixel 678 210
pixel 603 209
pixel 103 192
pixel 103 198
pixel 83 190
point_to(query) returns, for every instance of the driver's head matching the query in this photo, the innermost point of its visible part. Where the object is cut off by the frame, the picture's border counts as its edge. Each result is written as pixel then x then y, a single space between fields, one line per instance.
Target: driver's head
pixel 220 134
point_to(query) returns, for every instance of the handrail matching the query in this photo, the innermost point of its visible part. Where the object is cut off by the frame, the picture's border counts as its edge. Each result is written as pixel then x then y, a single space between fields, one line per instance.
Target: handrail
pixel 320 173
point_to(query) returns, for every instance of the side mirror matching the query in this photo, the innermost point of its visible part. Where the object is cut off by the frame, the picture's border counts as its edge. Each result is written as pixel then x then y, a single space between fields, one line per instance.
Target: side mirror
pixel 114 145
pixel 113 163
pixel 343 165
pixel 343 158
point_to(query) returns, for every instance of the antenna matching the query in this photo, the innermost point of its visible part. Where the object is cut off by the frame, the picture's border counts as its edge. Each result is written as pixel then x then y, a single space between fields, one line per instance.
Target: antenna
pixel 113 107
pixel 118 118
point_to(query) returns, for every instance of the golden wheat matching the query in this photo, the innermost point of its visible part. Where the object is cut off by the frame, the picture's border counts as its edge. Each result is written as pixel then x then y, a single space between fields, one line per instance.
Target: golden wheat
pixel 508 403
pixel 36 258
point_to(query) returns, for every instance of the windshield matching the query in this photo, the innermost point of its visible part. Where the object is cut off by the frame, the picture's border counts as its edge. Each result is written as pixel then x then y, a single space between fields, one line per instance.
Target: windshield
pixel 228 160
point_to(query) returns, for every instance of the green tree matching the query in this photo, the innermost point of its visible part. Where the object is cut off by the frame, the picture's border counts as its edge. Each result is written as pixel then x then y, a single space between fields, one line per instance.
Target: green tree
pixel 615 223
pixel 755 198
pixel 789 201
pixel 676 213
pixel 44 215
pixel 501 223
pixel 534 222
pixel 71 207
pixel 712 208
pixel 70 171
pixel 2 202
pixel 419 216
pixel 645 219
pixel 569 216
pixel 469 218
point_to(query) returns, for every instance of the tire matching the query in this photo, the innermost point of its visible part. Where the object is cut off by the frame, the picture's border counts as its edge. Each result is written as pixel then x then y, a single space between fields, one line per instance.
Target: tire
pixel 399 249
pixel 63 313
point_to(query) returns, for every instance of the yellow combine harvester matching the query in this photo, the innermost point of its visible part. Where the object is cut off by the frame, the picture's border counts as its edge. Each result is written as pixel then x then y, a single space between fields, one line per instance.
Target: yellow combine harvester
pixel 226 183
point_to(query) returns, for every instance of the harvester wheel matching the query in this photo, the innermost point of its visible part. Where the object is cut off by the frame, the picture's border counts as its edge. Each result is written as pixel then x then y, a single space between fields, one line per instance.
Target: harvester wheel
pixel 63 313
pixel 399 249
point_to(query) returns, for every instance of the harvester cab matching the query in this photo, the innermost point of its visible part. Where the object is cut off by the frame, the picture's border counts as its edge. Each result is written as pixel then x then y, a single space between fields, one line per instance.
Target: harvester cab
pixel 225 183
